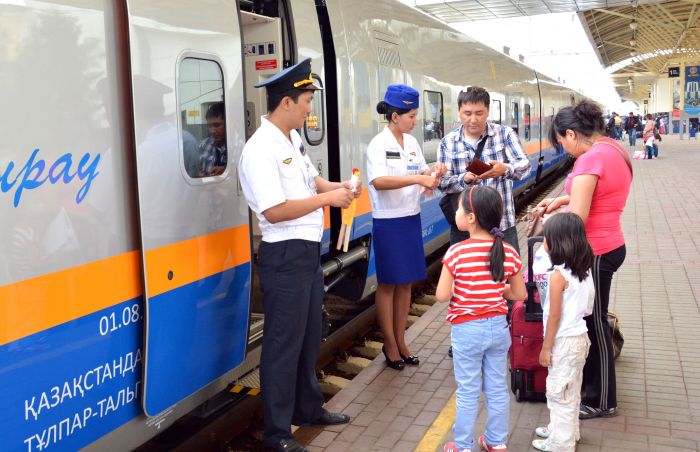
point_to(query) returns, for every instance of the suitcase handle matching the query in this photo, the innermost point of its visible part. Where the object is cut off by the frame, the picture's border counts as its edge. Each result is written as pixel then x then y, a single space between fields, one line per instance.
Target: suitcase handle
pixel 533 311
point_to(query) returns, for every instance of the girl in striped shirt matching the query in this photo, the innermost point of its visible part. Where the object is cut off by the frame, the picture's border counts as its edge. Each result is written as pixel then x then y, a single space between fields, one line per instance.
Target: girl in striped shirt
pixel 476 276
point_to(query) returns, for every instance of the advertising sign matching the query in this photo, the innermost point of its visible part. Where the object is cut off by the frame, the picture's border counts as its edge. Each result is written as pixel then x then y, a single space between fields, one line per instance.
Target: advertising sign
pixel 692 90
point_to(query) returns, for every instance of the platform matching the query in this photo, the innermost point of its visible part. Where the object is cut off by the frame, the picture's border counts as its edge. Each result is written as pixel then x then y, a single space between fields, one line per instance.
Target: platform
pixel 656 293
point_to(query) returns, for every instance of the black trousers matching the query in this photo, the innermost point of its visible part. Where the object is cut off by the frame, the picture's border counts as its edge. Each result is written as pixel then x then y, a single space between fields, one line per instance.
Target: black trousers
pixel 292 286
pixel 510 236
pixel 599 372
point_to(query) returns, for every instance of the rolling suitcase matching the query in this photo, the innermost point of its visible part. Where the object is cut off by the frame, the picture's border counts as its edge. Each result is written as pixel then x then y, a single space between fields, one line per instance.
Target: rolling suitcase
pixel 527 377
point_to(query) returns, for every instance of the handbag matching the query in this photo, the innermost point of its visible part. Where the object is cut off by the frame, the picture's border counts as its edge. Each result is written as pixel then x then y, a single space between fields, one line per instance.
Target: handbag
pixel 618 338
pixel 450 201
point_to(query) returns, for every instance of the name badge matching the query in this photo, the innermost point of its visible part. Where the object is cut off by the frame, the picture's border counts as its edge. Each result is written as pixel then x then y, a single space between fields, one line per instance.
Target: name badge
pixel 412 170
pixel 393 155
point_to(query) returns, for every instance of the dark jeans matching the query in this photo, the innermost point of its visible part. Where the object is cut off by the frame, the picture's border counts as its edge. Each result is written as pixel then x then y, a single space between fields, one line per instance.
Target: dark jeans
pixel 292 284
pixel 633 137
pixel 599 372
pixel 510 235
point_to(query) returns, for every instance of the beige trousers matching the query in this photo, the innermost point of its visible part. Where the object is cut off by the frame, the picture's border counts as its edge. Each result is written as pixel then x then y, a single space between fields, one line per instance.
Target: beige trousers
pixel 564 391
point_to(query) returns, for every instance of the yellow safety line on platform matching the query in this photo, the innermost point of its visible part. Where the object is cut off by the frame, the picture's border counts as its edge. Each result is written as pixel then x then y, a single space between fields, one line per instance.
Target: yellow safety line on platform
pixel 441 426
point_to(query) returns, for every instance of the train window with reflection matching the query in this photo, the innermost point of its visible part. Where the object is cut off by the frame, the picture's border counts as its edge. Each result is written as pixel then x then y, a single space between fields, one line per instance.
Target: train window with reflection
pixel 433 119
pixel 314 127
pixel 515 118
pixel 495 113
pixel 203 117
pixel 526 121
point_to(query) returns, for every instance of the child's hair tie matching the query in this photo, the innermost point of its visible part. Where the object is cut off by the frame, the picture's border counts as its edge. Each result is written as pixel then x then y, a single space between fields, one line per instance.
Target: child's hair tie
pixel 496 232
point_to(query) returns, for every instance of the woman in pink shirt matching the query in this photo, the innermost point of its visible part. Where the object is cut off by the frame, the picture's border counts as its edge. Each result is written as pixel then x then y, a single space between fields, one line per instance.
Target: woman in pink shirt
pixel 597 189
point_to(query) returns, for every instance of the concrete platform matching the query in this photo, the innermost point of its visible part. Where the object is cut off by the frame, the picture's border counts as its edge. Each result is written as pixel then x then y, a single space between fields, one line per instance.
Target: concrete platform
pixel 656 294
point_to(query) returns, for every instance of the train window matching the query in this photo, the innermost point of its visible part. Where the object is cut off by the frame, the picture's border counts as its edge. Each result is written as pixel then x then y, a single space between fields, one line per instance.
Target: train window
pixel 202 117
pixel 315 126
pixel 526 121
pixel 515 118
pixel 495 113
pixel 433 118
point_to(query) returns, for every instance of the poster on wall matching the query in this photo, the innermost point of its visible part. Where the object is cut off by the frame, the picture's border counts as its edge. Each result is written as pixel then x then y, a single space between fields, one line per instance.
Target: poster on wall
pixel 692 90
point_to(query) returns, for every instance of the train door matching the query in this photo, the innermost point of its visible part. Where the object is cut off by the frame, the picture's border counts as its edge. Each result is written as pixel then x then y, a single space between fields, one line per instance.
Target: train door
pixel 188 103
pixel 272 33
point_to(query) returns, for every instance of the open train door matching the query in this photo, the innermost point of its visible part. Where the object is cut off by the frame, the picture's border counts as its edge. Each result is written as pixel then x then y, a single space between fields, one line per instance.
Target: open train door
pixel 187 84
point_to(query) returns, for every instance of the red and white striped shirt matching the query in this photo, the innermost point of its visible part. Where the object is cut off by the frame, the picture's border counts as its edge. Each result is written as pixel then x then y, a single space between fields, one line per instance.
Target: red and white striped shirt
pixel 475 295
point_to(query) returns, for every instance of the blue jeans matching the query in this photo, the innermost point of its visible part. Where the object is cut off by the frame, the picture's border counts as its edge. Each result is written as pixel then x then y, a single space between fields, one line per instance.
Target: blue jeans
pixel 633 137
pixel 479 349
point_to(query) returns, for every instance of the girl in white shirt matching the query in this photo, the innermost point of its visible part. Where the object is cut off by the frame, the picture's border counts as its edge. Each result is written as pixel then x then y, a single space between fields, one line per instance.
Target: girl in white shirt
pixel 568 300
pixel 396 170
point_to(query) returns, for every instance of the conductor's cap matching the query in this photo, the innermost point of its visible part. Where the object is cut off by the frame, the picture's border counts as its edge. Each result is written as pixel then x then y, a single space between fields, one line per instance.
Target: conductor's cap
pixel 401 96
pixel 294 77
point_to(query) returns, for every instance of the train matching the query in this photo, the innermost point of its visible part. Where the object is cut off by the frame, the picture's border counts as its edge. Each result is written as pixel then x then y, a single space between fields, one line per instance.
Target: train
pixel 127 265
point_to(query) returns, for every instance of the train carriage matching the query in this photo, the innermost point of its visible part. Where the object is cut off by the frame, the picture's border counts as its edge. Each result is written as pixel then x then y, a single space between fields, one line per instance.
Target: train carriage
pixel 127 278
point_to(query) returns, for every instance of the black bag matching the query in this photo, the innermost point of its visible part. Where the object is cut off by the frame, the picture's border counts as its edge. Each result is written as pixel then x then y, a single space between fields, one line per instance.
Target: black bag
pixel 450 201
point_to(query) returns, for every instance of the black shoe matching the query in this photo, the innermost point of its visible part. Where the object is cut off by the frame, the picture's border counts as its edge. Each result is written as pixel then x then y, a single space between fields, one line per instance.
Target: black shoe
pixel 449 352
pixel 589 412
pixel 289 445
pixel 328 418
pixel 410 360
pixel 398 364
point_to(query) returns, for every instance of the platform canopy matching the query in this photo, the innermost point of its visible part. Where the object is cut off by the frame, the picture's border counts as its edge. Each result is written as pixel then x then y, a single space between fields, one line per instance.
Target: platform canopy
pixel 636 41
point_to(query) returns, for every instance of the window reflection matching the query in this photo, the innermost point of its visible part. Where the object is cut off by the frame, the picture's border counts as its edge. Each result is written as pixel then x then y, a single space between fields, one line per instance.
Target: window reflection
pixel 203 118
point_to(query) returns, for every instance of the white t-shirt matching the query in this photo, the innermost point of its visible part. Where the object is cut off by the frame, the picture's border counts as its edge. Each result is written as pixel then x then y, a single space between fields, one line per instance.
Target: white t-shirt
pixel 272 170
pixel 650 141
pixel 577 303
pixel 386 158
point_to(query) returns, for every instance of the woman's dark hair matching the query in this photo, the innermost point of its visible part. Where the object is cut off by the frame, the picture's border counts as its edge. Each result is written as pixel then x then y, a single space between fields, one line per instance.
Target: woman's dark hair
pixel 388 110
pixel 585 117
pixel 486 204
pixel 568 244
pixel 474 95
pixel 648 116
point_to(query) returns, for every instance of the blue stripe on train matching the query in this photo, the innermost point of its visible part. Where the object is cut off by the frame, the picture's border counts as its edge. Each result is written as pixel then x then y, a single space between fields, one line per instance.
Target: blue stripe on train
pixel 196 333
pixel 77 369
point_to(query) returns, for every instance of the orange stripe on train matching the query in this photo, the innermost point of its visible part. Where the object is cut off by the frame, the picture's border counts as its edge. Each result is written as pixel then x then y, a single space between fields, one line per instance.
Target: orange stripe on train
pixel 33 305
pixel 36 304
pixel 196 259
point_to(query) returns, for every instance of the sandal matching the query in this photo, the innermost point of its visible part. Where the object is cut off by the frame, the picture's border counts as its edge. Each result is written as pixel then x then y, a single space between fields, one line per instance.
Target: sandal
pixel 542 432
pixel 541 444
pixel 587 412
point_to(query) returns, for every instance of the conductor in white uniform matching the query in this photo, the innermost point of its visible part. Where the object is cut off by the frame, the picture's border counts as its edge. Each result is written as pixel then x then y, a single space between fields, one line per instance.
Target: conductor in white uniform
pixel 287 194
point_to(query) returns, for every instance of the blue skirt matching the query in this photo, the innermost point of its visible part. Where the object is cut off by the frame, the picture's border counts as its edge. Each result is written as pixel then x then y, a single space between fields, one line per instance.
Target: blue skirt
pixel 398 250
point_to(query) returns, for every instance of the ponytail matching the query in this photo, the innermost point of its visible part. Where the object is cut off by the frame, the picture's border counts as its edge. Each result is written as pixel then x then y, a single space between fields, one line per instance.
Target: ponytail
pixel 497 255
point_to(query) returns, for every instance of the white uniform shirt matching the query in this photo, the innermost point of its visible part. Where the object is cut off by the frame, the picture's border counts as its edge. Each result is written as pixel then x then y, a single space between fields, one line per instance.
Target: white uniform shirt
pixel 386 158
pixel 273 170
pixel 577 302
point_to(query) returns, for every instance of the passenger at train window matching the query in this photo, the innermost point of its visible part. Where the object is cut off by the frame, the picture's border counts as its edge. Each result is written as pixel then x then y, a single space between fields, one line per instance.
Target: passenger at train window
pixel 212 150
pixel 396 171
pixel 501 149
pixel 597 191
pixel 287 194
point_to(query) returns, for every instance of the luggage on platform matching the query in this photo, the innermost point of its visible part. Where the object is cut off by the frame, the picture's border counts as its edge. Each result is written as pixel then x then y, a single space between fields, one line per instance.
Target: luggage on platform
pixel 527 377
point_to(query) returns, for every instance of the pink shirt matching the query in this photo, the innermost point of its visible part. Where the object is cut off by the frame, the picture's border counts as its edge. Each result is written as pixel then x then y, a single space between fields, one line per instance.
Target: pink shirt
pixel 603 226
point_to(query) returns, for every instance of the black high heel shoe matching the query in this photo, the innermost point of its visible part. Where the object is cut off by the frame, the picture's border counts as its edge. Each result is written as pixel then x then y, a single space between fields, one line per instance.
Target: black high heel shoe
pixel 411 360
pixel 398 364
